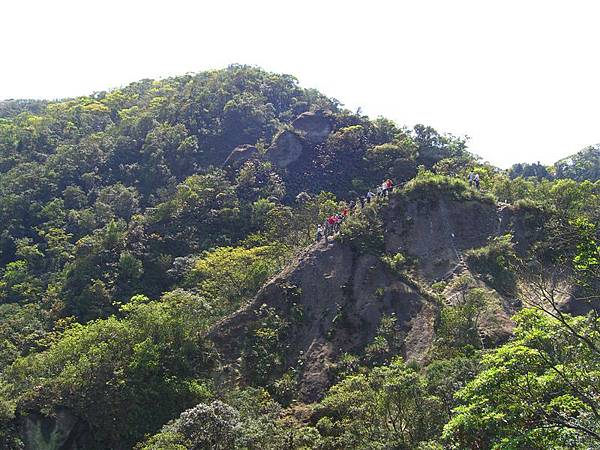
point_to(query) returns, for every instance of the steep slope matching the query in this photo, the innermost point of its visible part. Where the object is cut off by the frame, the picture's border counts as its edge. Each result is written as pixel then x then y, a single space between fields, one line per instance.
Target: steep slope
pixel 331 300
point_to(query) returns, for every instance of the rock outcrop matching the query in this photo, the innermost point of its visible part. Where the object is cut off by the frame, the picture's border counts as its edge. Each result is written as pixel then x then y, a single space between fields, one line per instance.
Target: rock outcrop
pixel 285 149
pixel 240 155
pixel 313 126
pixel 334 298
pixel 338 299
pixel 60 431
pixel 436 230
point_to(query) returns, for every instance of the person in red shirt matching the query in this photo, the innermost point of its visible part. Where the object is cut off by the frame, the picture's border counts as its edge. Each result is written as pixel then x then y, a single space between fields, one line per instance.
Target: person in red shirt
pixel 330 225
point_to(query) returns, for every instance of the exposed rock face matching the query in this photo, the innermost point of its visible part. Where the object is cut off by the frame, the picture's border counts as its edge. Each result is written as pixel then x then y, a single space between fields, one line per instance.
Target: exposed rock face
pixel 285 150
pixel 342 298
pixel 63 431
pixel 314 126
pixel 437 230
pixel 240 155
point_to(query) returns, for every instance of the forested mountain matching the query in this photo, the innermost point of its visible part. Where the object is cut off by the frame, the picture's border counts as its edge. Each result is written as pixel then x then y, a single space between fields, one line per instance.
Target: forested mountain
pixel 160 287
pixel 583 165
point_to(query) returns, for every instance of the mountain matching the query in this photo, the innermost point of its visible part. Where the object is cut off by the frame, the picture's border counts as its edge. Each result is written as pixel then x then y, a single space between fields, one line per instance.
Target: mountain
pixel 162 287
pixel 583 165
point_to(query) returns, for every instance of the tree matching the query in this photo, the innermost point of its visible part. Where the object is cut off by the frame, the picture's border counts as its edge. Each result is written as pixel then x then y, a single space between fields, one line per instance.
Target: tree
pixel 227 276
pixel 386 408
pixel 143 369
pixel 538 391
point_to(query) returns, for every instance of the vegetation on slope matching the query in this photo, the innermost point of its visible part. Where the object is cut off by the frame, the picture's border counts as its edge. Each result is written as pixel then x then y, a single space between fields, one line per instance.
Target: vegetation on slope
pixel 124 238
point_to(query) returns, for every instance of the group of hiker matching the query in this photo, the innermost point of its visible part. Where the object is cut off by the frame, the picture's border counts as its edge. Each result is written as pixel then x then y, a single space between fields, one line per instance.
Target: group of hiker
pixel 474 179
pixel 332 224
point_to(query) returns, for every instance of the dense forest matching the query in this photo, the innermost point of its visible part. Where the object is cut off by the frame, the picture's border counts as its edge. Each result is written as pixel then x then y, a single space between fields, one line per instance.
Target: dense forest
pixel 159 279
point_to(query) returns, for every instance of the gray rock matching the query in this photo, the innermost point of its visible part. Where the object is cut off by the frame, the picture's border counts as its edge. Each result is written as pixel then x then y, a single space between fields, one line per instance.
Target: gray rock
pixel 61 431
pixel 342 298
pixel 314 126
pixel 285 150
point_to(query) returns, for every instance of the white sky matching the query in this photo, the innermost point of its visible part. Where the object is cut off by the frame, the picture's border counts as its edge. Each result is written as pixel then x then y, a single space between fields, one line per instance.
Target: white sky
pixel 521 78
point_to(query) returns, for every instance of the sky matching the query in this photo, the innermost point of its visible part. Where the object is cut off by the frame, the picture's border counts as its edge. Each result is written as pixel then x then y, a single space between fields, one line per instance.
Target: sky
pixel 519 78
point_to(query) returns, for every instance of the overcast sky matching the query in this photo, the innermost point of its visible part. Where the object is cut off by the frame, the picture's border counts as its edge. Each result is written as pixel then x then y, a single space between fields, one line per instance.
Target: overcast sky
pixel 520 78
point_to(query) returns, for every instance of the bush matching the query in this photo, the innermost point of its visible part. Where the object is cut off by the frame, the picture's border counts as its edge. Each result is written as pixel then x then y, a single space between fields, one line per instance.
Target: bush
pixel 364 231
pixel 427 184
pixel 396 262
pixel 493 262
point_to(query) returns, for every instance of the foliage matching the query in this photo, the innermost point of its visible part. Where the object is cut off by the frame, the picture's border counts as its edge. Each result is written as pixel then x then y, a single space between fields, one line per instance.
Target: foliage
pixel 538 391
pixel 584 165
pixel 22 328
pixel 386 344
pixel 203 427
pixel 457 330
pixel 387 408
pixel 364 231
pixel 227 276
pixel 264 352
pixel 494 263
pixel 143 369
pixel 427 184
pixel 121 196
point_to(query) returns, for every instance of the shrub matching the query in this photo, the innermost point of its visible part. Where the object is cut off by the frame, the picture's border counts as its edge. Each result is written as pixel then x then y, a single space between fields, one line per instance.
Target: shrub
pixel 427 184
pixel 263 353
pixel 364 231
pixel 395 263
pixel 493 263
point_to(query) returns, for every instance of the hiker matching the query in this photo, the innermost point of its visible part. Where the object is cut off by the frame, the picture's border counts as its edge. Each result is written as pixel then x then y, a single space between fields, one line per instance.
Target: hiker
pixel 477 180
pixel 362 202
pixel 471 178
pixel 385 188
pixel 379 191
pixel 390 184
pixel 336 223
pixel 351 205
pixel 331 224
pixel 319 233
pixel 369 196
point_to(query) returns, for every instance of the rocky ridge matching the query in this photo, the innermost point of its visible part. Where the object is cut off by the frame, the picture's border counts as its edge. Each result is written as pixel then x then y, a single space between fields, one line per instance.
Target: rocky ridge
pixel 333 298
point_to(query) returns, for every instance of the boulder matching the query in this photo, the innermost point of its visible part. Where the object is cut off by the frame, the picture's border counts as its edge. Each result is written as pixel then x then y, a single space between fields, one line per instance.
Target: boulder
pixel 61 430
pixel 314 126
pixel 240 155
pixel 285 150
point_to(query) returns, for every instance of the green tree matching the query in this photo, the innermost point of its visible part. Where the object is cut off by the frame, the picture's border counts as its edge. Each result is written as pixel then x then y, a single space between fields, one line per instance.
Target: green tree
pixel 539 391
pixel 387 408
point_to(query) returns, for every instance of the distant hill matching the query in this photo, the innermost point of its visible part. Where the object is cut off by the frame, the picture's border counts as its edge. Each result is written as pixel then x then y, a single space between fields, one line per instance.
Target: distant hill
pixel 583 165
pixel 12 108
